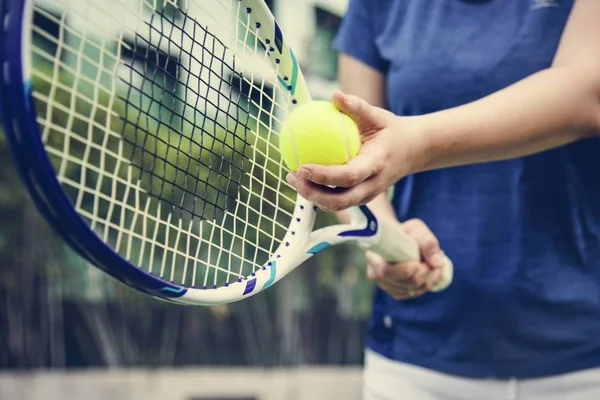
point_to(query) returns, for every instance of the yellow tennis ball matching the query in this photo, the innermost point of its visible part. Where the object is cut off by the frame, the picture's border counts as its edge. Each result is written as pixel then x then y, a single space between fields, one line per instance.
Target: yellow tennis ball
pixel 318 133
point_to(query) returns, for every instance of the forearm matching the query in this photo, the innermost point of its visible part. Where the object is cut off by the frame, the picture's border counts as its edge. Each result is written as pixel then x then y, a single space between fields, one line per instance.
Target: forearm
pixel 546 110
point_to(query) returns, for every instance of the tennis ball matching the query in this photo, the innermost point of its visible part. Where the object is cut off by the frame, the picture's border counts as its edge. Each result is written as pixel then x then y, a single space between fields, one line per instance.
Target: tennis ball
pixel 318 133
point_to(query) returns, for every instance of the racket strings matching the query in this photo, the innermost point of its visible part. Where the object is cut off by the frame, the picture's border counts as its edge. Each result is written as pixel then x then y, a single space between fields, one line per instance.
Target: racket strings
pixel 163 136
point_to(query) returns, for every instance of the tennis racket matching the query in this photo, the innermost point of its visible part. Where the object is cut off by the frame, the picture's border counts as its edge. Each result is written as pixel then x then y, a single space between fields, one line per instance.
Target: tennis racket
pixel 147 135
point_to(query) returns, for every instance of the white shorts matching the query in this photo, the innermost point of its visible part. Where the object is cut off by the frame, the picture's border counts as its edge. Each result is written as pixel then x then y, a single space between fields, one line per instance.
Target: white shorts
pixel 385 379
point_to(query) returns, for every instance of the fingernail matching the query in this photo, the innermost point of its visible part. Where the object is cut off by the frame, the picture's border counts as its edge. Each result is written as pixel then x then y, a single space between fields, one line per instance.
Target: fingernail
pixel 291 179
pixel 304 173
pixel 438 260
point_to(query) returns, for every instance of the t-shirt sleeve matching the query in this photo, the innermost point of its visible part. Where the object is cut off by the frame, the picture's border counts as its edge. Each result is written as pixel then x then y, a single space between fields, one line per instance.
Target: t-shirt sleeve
pixel 356 35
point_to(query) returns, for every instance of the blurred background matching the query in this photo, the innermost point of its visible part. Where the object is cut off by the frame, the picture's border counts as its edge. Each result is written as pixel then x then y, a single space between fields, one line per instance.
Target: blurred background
pixel 68 331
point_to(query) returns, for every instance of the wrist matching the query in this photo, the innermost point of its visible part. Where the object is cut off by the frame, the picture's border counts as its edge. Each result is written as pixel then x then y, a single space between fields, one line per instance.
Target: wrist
pixel 416 144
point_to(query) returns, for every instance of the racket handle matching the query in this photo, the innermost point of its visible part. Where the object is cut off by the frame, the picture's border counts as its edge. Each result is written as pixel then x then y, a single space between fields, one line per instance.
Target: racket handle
pixel 395 245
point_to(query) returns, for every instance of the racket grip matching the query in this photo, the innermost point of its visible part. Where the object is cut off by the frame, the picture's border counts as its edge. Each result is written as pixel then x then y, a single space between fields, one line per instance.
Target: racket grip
pixel 395 245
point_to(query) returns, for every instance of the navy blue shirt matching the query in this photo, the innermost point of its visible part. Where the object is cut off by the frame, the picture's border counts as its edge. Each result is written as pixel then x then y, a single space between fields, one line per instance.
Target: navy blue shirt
pixel 524 234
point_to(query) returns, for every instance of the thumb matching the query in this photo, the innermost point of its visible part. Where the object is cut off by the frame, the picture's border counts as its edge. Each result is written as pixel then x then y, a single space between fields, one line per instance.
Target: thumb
pixel 361 112
pixel 375 265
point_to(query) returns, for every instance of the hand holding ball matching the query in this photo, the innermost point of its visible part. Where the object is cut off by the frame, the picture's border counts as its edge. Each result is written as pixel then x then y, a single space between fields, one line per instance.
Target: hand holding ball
pixel 318 133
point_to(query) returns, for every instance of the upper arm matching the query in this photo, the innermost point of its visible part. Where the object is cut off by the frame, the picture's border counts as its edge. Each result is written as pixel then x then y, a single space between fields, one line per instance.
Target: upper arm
pixel 580 42
pixel 361 66
pixel 579 49
pixel 361 80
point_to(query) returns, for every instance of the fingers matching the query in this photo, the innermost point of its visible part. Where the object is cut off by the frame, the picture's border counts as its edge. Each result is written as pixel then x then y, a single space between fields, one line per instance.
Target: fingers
pixel 333 199
pixel 429 245
pixel 375 265
pixel 378 268
pixel 402 289
pixel 370 161
pixel 402 293
pixel 356 108
pixel 363 114
pixel 361 177
pixel 413 278
pixel 402 280
pixel 434 278
pixel 353 172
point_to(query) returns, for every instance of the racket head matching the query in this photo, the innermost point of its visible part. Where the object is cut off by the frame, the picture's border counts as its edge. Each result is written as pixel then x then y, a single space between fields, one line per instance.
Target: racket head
pixel 62 197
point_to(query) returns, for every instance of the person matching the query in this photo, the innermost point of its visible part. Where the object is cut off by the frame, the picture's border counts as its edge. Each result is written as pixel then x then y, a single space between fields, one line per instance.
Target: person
pixel 484 117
